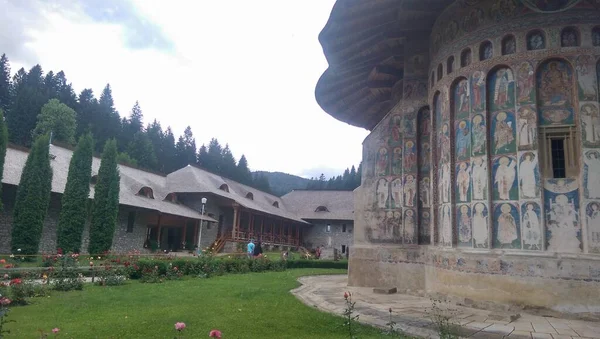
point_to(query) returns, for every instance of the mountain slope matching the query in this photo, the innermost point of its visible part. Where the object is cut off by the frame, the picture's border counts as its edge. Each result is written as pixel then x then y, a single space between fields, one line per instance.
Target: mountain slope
pixel 282 183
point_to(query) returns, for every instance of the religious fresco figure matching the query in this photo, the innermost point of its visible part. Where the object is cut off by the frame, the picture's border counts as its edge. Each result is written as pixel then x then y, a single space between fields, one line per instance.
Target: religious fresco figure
pixel 480 178
pixel 396 127
pixel 528 175
pixel 397 161
pixel 555 84
pixel 592 174
pixel 479 132
pixel 590 121
pixel 503 89
pixel 504 177
pixel 525 83
pixel 463 139
pixel 527 128
pixel 397 193
pixel 478 90
pixel 504 133
pixel 382 162
pixel 462 98
pixel 425 157
pixel 446 227
pixel 445 182
pixel 444 144
pixel 409 127
pixel 425 123
pixel 410 190
pixel 563 226
pixel 586 78
pixel 463 180
pixel 593 225
pixel 480 225
pixel 532 233
pixel 569 38
pixel 509 46
pixel 425 192
pixel 397 221
pixel 536 41
pixel 383 193
pixel 464 224
pixel 410 158
pixel 507 226
pixel 409 226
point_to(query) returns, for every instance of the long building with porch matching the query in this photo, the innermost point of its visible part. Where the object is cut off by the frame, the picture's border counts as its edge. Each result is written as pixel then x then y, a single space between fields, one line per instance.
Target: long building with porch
pixel 166 212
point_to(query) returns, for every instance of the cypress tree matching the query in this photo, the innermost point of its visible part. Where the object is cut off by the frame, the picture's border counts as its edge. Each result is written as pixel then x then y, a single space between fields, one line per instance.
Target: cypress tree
pixel 106 201
pixel 73 213
pixel 33 197
pixel 3 143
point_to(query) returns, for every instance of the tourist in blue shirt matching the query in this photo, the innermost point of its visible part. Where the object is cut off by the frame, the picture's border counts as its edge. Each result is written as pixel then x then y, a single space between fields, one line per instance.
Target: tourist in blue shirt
pixel 250 249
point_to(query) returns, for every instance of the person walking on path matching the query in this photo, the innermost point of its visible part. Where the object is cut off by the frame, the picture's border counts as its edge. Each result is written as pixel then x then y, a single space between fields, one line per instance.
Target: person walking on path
pixel 250 249
pixel 258 250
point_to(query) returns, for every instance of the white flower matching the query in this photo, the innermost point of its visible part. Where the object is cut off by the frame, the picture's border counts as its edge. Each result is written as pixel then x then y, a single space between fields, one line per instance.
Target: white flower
pixel 19 250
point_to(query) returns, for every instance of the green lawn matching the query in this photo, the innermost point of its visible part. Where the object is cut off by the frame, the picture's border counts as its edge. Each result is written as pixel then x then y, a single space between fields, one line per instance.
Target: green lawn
pixel 254 305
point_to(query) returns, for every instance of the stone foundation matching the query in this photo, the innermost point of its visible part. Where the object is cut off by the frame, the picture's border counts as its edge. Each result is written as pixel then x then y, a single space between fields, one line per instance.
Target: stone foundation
pixel 559 284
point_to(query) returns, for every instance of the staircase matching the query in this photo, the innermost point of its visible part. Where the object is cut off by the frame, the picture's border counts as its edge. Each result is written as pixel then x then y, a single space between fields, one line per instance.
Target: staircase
pixel 218 244
pixel 304 252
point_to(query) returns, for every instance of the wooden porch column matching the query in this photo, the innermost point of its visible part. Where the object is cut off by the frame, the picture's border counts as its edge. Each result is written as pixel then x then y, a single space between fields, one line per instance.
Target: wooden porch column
pixel 184 233
pixel 262 224
pixel 196 233
pixel 250 225
pixel 159 230
pixel 235 220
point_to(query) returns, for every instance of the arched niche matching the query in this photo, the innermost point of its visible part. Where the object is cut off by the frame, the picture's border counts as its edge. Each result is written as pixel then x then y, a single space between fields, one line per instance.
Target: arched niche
pixel 465 57
pixel 440 72
pixel 570 37
pixel 321 209
pixel 536 40
pixel 596 36
pixel 172 197
pixel 250 196
pixel 276 204
pixel 146 192
pixel 509 45
pixel 424 128
pixel 486 50
pixel 224 187
pixel 450 64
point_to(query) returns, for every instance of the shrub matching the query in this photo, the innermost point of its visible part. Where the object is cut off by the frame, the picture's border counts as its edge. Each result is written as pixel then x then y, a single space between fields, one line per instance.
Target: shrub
pixel 151 275
pixel 303 263
pixel 111 276
pixel 67 276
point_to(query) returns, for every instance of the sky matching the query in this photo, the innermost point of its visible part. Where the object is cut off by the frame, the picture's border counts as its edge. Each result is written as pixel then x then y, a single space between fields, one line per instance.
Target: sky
pixel 241 71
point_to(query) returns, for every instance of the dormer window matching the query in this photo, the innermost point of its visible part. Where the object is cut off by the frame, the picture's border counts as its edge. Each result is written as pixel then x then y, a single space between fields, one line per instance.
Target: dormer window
pixel 94 179
pixel 321 209
pixel 250 196
pixel 224 187
pixel 276 204
pixel 172 197
pixel 146 192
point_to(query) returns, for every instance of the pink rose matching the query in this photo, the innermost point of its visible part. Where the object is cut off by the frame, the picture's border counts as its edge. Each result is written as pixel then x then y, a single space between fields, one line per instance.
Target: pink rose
pixel 179 326
pixel 215 334
pixel 55 330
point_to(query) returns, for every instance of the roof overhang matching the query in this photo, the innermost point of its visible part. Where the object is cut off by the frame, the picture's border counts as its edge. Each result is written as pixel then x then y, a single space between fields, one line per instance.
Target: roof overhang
pixel 364 43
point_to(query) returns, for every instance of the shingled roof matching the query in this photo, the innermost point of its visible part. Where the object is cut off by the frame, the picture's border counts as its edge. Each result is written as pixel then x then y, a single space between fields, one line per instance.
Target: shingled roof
pixel 132 180
pixel 321 205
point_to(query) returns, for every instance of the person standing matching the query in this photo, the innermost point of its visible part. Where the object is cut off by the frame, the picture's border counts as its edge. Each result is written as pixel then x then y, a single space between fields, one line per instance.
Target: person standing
pixel 258 250
pixel 250 249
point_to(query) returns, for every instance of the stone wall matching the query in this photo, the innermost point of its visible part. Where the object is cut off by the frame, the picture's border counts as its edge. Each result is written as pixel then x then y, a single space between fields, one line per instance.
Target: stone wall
pixel 209 229
pixel 317 235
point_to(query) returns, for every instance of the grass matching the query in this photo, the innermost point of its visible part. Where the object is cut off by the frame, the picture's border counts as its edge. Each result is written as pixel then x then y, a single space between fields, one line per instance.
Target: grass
pixel 255 305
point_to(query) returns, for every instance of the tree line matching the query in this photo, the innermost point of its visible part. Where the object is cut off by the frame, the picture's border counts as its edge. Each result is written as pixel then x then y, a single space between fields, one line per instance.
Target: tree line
pixel 345 182
pixel 69 116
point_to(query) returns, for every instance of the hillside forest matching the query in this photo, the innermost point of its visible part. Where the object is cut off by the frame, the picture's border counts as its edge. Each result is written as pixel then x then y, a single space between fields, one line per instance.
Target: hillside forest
pixel 150 147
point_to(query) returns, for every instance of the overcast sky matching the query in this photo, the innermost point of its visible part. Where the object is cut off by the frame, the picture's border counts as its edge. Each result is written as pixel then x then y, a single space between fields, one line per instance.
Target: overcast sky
pixel 241 71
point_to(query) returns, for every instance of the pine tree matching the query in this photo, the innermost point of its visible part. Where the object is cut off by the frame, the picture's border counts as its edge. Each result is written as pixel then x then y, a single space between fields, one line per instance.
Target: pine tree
pixel 87 111
pixel 33 197
pixel 141 149
pixel 131 126
pixel 106 201
pixel 58 119
pixel 229 167
pixel 203 157
pixel 5 91
pixel 73 213
pixel 167 158
pixel 66 94
pixel 213 157
pixel 244 174
pixel 107 122
pixel 261 182
pixel 3 143
pixel 185 149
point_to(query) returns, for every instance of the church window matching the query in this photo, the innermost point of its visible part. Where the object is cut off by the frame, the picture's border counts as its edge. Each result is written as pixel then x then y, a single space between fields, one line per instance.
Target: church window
pixel 130 221
pixel 465 58
pixel 440 71
pixel 449 64
pixel 486 51
pixel 343 227
pixel 509 45
pixel 146 192
pixel 559 152
pixel 344 249
pixel 596 36
pixel 536 40
pixel 569 37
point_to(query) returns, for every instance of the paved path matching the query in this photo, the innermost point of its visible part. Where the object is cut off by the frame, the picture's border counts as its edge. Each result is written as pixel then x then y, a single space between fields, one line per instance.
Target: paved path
pixel 410 313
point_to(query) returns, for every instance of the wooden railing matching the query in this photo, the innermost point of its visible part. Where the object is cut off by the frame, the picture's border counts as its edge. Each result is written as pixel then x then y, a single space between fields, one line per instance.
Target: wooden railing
pixel 218 245
pixel 275 239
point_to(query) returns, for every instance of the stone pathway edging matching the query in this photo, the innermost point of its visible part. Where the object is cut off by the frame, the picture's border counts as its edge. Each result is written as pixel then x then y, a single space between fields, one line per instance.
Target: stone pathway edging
pixel 325 293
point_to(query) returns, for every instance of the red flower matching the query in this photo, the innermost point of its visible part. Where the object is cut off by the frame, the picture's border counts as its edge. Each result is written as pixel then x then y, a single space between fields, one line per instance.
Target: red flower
pixel 346 295
pixel 2 261
pixel 215 334
pixel 5 301
pixel 390 310
pixel 16 281
pixel 59 251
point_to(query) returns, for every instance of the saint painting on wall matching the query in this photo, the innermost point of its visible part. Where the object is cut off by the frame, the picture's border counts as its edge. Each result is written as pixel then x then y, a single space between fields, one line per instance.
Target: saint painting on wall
pixel 563 230
pixel 502 90
pixel 527 128
pixel 480 225
pixel 463 139
pixel 590 125
pixel 505 178
pixel 382 163
pixel 503 133
pixel 478 91
pixel 593 225
pixel 425 192
pixel 586 78
pixel 424 123
pixel 424 227
pixel 479 135
pixel 463 221
pixel 382 193
pixel 444 144
pixel 410 225
pixel 397 161
pixel 591 174
pixel 396 129
pixel 396 193
pixel 479 175
pixel 529 175
pixel 410 190
pixel 555 92
pixel 410 156
pixel 532 230
pixel 461 99
pixel 446 225
pixel 525 84
pixel 425 158
pixel 507 233
pixel 463 182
